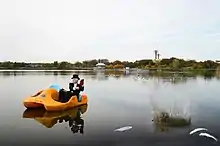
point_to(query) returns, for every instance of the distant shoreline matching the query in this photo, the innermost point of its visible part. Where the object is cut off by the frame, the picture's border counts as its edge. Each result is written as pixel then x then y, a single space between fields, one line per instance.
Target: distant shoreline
pixel 204 72
pixel 163 64
pixel 39 70
pixel 43 69
pixel 131 69
pixel 62 69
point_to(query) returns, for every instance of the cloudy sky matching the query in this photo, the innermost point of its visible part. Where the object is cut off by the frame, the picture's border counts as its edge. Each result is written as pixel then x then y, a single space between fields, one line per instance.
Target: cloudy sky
pixel 48 30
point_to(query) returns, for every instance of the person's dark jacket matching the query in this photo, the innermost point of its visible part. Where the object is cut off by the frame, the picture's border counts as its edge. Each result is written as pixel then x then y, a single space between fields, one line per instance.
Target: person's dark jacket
pixel 76 92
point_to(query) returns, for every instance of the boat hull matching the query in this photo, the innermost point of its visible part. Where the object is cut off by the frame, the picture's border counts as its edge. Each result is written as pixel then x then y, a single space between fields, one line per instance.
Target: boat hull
pixel 48 99
pixel 33 105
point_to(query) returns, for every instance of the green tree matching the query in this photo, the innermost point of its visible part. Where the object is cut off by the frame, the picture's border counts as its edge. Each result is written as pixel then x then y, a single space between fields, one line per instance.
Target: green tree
pixel 78 64
pixel 144 62
pixel 208 64
pixel 63 65
pixel 85 64
pixel 128 64
pixel 175 64
pixel 92 63
pixel 116 62
pixel 7 64
pixel 166 61
pixel 118 66
pixel 55 64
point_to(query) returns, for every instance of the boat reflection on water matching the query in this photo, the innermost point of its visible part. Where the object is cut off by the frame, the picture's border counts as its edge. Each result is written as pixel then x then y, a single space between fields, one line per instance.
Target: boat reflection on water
pixel 49 119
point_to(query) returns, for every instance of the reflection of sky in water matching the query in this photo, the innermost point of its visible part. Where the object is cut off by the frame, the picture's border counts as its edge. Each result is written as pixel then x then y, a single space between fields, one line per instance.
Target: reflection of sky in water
pixel 112 103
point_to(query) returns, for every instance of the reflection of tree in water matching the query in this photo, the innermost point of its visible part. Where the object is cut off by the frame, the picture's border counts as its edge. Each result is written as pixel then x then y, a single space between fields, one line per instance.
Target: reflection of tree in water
pixel 55 73
pixel 173 78
pixel 100 75
pixel 47 72
pixel 208 75
pixel 217 73
pixel 63 73
pixel 12 73
pixel 176 78
pixel 114 73
pixel 141 77
pixel 6 73
pixel 117 73
pixel 15 73
pixel 105 74
pixel 76 124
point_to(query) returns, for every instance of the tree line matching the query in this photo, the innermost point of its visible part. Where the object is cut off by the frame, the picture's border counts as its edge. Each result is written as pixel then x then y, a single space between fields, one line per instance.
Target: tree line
pixel 167 64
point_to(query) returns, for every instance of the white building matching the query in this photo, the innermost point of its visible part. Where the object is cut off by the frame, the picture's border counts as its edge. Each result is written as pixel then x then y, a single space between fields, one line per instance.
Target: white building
pixel 127 68
pixel 99 66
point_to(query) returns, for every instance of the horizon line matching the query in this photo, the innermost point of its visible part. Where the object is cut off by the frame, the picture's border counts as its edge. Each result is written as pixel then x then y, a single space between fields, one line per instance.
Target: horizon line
pixel 71 61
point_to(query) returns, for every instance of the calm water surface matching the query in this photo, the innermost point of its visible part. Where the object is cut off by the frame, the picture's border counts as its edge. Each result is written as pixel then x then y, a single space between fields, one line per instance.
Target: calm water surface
pixel 114 101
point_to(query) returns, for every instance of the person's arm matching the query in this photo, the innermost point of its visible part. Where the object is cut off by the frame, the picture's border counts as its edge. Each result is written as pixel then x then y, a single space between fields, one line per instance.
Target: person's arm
pixel 80 88
pixel 71 86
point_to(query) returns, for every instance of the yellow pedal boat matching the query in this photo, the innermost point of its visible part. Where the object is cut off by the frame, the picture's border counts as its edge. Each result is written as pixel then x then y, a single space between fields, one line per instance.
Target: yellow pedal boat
pixel 49 119
pixel 49 100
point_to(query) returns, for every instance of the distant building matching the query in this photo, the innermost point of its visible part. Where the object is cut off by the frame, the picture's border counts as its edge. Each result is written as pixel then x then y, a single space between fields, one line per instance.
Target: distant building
pixel 100 65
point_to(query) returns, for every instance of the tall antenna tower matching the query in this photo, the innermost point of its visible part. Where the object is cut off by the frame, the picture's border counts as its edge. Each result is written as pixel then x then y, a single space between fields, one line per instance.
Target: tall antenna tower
pixel 155 54
pixel 158 56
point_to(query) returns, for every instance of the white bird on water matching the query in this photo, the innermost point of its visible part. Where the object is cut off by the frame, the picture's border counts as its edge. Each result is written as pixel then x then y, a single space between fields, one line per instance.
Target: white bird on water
pixel 123 128
pixel 208 135
pixel 197 129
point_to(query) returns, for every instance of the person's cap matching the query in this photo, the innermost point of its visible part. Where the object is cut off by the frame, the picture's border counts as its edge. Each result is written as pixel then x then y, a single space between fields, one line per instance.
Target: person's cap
pixel 75 76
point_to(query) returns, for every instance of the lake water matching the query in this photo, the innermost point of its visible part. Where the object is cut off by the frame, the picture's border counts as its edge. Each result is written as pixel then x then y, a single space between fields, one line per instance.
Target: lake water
pixel 115 101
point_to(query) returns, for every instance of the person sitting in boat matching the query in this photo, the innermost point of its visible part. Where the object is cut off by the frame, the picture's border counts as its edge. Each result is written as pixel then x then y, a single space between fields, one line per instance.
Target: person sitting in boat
pixel 75 87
